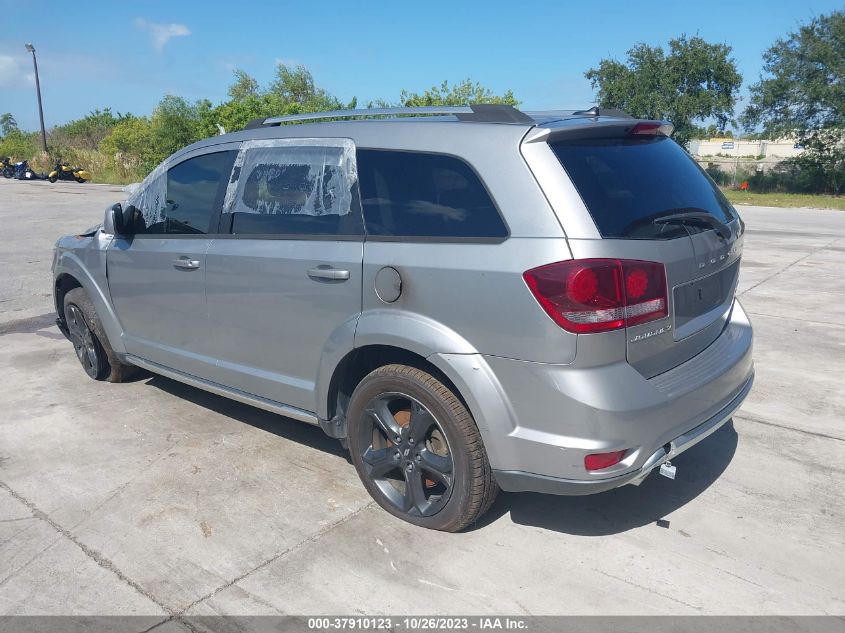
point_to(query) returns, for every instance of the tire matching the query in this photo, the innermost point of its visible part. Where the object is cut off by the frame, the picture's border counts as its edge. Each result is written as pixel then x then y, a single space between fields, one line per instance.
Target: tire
pixel 52 178
pixel 78 179
pixel 89 341
pixel 417 449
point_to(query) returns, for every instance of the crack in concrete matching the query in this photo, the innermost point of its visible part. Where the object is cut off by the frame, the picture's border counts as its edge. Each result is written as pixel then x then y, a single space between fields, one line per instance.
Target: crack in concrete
pixel 29 562
pixel 787 267
pixel 649 590
pixel 179 616
pixel 94 555
pixel 796 319
pixel 311 539
pixel 753 418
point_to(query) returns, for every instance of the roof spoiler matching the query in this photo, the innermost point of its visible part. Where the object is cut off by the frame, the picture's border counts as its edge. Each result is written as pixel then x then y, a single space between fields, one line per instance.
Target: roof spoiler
pixel 581 129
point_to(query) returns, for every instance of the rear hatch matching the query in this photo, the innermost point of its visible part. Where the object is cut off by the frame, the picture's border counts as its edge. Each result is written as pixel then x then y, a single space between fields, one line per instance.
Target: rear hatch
pixel 651 202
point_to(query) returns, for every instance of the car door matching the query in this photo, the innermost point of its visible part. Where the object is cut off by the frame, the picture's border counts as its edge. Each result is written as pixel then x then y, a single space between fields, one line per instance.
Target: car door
pixel 288 275
pixel 157 276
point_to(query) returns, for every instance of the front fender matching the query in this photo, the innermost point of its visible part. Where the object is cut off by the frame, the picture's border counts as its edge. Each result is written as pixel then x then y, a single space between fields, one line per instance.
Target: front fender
pixel 88 267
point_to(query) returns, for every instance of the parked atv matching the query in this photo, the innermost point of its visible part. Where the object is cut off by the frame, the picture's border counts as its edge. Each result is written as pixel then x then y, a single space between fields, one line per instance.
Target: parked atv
pixel 7 167
pixel 24 172
pixel 63 171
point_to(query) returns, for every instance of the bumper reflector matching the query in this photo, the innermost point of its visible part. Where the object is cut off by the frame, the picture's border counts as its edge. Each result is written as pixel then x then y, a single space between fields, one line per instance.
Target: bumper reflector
pixel 597 461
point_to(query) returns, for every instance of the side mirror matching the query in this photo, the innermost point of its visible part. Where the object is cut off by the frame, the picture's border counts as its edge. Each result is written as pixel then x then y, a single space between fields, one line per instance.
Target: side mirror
pixel 115 223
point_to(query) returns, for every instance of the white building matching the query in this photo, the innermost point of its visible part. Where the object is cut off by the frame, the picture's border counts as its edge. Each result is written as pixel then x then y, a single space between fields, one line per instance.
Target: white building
pixel 779 149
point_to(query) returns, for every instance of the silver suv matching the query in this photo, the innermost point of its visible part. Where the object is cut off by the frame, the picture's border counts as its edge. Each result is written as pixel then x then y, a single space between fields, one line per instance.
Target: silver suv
pixel 470 300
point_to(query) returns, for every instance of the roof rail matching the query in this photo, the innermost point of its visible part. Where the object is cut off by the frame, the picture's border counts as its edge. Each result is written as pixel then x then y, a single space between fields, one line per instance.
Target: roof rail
pixel 479 112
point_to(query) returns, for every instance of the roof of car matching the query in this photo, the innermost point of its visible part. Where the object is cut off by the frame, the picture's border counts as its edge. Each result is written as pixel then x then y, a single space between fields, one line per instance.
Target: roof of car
pixel 374 127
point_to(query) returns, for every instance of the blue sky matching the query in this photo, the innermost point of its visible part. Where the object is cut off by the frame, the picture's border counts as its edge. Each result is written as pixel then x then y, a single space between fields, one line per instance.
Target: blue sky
pixel 128 54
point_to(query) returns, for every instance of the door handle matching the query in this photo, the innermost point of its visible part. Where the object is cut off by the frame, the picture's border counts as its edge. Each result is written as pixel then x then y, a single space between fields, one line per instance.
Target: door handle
pixel 331 274
pixel 186 263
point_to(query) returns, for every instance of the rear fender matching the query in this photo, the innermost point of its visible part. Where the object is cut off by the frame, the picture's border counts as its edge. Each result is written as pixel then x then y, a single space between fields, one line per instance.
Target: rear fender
pixel 444 348
pixel 396 328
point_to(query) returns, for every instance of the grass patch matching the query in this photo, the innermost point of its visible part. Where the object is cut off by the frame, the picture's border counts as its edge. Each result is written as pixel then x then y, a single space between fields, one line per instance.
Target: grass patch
pixel 815 201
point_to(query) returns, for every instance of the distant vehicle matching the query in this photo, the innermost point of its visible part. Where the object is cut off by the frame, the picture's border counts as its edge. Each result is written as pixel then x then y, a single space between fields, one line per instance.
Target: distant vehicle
pixel 24 172
pixel 7 167
pixel 63 171
pixel 472 300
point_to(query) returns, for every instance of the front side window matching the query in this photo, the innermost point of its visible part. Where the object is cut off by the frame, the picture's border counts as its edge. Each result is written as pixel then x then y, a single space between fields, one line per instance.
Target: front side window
pixel 294 187
pixel 184 200
pixel 412 194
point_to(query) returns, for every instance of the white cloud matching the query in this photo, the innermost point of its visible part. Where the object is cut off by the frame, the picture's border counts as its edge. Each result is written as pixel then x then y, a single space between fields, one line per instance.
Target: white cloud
pixel 14 71
pixel 161 33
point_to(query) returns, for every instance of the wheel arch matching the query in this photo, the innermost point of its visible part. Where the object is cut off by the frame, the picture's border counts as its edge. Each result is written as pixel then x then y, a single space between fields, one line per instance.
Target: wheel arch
pixel 63 284
pixel 359 362
pixel 69 272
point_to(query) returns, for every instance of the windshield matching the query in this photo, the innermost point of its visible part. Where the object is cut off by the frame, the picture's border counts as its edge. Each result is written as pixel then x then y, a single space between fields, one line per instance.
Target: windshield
pixel 627 183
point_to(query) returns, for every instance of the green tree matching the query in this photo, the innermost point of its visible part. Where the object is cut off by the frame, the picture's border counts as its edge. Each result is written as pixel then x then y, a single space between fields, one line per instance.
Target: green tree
pixel 293 91
pixel 19 145
pixel 7 124
pixel 694 81
pixel 129 146
pixel 175 123
pixel 296 86
pixel 245 86
pixel 462 93
pixel 801 96
pixel 87 132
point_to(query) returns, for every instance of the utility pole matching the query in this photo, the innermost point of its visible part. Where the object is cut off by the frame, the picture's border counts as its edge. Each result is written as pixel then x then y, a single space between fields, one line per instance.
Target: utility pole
pixel 31 49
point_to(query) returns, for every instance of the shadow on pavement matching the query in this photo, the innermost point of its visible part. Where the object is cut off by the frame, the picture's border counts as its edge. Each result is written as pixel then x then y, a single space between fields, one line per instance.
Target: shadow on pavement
pixel 274 423
pixel 603 514
pixel 624 508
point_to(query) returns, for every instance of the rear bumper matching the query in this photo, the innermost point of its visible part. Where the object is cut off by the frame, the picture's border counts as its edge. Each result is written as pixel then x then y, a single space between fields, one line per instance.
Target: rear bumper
pixel 539 421
pixel 518 481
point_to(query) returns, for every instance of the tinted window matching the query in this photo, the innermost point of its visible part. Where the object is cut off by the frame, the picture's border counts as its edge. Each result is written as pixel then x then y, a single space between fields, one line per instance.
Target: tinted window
pixel 628 183
pixel 424 195
pixel 294 190
pixel 187 199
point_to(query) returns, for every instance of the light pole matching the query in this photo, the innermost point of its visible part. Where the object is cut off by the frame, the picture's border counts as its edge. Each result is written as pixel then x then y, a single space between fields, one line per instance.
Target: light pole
pixel 31 49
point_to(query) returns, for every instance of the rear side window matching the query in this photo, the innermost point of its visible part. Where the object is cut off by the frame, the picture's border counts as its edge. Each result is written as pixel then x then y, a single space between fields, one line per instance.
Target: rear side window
pixel 291 190
pixel 186 199
pixel 628 183
pixel 410 194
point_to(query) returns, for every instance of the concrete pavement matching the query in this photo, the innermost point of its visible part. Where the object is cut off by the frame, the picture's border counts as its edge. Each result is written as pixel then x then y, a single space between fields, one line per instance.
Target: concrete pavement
pixel 155 498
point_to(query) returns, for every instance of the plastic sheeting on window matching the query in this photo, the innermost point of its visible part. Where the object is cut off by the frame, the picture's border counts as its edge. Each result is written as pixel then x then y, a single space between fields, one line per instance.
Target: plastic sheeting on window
pixel 296 176
pixel 151 197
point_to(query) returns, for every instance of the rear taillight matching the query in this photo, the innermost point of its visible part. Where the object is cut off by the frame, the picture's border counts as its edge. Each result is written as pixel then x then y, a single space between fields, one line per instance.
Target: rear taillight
pixel 598 295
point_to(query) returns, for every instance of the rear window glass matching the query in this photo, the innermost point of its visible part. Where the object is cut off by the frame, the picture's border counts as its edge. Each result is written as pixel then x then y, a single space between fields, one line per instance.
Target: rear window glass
pixel 409 194
pixel 628 183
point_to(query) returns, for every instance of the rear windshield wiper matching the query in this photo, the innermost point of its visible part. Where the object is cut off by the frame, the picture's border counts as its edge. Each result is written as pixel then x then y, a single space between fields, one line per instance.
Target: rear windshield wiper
pixel 695 217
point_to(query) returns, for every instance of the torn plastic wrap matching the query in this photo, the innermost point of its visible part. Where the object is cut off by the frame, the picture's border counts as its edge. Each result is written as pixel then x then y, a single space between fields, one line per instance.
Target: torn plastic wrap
pixel 302 176
pixel 150 198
